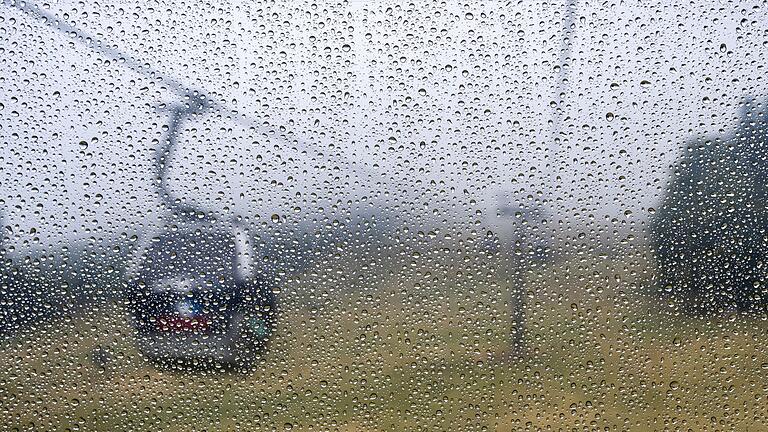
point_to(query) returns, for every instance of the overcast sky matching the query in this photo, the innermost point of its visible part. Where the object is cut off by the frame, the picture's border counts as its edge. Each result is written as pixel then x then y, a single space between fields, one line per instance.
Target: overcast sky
pixel 325 110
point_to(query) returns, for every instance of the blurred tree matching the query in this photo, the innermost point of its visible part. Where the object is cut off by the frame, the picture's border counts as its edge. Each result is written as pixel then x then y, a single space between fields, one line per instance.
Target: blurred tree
pixel 709 234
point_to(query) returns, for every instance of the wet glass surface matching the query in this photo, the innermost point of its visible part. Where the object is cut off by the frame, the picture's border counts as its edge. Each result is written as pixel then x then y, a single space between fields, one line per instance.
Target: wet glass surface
pixel 383 215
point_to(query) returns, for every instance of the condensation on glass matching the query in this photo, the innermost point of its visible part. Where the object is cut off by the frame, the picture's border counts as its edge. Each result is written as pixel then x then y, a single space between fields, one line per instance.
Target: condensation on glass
pixel 383 215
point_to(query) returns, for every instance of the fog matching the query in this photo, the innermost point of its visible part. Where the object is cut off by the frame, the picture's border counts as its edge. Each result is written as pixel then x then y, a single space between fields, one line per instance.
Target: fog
pixel 326 112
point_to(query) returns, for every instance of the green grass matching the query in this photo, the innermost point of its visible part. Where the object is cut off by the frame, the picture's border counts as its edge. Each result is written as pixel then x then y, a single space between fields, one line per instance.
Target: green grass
pixel 417 343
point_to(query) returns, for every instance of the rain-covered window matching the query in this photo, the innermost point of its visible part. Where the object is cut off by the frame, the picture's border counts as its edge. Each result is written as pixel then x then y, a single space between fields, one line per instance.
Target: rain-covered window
pixel 380 215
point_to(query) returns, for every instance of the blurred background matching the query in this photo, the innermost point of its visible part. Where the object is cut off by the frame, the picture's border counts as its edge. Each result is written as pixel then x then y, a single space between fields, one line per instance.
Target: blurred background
pixel 508 216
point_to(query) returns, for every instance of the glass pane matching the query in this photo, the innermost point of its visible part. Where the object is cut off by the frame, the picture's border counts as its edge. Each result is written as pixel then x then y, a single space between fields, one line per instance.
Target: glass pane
pixel 383 215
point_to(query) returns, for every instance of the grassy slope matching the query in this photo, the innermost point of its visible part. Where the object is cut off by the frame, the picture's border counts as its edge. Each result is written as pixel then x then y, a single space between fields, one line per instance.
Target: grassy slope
pixel 416 343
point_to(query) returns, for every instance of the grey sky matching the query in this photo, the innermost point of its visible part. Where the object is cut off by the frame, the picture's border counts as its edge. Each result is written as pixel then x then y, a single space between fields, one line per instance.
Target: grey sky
pixel 396 105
